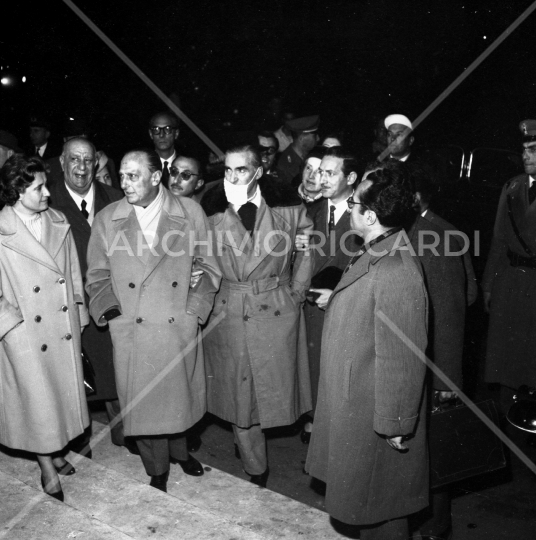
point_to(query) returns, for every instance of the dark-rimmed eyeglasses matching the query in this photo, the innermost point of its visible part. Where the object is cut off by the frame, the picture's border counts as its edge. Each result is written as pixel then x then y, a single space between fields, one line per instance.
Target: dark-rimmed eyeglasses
pixel 184 175
pixel 156 130
pixel 270 150
pixel 351 203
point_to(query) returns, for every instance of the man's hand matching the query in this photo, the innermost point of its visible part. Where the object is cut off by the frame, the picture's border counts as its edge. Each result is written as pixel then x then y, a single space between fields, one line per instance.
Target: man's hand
pixel 195 277
pixel 301 242
pixel 396 443
pixel 487 301
pixel 323 299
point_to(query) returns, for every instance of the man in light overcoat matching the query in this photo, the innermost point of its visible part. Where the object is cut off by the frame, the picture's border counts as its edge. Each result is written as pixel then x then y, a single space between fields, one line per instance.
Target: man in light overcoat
pixel 140 259
pixel 256 357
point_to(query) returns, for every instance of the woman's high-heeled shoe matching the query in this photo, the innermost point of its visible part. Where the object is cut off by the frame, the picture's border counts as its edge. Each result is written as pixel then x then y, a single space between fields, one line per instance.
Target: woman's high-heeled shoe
pixel 58 495
pixel 65 470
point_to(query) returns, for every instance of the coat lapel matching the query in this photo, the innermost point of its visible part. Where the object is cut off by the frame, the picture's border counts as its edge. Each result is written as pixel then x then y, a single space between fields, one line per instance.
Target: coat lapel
pixel 333 243
pixel 170 238
pixel 271 225
pixel 14 235
pixel 370 257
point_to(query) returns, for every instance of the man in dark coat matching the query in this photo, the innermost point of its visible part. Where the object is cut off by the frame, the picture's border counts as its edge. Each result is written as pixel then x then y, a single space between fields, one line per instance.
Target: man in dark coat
pixel 256 356
pixel 510 279
pixel 305 136
pixel 369 439
pixel 164 131
pixel 332 248
pixel 79 188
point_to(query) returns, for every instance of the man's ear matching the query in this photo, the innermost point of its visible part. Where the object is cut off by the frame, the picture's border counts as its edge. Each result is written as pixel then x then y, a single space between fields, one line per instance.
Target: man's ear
pixel 411 139
pixel 177 131
pixel 10 153
pixel 199 184
pixel 352 177
pixel 62 162
pixel 371 217
pixel 156 177
pixel 259 169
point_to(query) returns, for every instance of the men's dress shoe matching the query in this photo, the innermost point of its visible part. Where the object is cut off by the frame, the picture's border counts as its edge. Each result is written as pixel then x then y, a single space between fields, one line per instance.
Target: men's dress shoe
pixel 194 442
pixel 65 470
pixel 305 436
pixel 159 481
pixel 260 479
pixel 190 466
pixel 236 451
pixel 58 495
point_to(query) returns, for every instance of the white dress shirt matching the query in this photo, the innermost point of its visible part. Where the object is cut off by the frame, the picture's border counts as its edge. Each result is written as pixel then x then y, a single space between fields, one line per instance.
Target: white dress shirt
pixel 89 197
pixel 340 209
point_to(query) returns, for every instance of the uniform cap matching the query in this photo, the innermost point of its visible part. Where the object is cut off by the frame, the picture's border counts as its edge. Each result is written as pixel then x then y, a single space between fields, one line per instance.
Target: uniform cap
pixel 39 121
pixel 306 124
pixel 397 119
pixel 528 128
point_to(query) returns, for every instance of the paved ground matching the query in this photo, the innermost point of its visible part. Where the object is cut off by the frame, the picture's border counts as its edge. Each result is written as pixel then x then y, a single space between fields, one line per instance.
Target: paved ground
pixel 497 506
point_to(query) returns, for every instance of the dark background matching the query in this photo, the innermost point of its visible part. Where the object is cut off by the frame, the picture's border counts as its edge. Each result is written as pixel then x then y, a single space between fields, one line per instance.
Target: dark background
pixel 349 61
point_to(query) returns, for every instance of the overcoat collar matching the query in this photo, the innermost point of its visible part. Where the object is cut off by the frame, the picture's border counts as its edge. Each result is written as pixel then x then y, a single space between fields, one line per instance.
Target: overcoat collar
pixel 362 266
pixel 169 232
pixel 14 235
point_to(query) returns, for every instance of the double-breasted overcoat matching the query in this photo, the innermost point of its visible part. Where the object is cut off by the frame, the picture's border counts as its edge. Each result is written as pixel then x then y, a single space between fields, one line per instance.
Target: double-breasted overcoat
pixel 371 386
pixel 512 325
pixel 256 356
pixel 42 398
pixel 158 357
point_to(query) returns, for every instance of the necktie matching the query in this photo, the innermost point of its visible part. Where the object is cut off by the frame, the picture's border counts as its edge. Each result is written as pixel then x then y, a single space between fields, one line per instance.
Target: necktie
pixel 332 218
pixel 85 213
pixel 165 175
pixel 532 192
pixel 247 213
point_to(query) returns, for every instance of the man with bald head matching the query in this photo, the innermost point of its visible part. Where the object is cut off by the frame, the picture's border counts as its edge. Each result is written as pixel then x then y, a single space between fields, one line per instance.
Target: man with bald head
pixel 80 198
pixel 164 131
pixel 143 255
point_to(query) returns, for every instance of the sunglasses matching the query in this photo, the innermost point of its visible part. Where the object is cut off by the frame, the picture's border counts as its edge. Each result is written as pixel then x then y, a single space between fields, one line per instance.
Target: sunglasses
pixel 184 175
pixel 156 130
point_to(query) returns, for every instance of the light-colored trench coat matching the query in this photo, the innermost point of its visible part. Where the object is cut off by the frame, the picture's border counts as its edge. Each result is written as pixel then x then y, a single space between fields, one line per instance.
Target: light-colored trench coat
pixel 256 356
pixel 372 385
pixel 42 399
pixel 158 358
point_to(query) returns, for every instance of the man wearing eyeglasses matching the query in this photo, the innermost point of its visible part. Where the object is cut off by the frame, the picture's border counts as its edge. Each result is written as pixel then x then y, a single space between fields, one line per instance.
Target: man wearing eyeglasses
pixel 164 131
pixel 509 280
pixel 369 440
pixel 185 178
pixel 256 356
pixel 268 147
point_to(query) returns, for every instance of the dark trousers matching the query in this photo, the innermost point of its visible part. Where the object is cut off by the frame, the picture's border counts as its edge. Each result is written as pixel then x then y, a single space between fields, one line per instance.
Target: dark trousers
pixel 155 452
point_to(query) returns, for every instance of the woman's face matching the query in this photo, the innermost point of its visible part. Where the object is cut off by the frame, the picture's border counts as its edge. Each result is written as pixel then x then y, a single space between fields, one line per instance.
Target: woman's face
pixel 35 196
pixel 104 176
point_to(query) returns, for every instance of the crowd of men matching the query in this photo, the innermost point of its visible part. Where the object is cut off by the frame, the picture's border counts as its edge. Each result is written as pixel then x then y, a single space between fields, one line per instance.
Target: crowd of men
pixel 297 285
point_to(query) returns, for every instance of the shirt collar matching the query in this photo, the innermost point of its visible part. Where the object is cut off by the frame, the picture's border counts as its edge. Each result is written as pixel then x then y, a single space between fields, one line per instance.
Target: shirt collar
pixel 88 197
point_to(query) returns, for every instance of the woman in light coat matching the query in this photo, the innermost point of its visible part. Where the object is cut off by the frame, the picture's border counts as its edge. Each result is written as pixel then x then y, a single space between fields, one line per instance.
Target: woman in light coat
pixel 42 399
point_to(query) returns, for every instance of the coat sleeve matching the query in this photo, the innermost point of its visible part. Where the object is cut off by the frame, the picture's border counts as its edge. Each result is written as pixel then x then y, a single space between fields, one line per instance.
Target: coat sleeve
pixel 201 297
pixel 98 277
pixel 78 287
pixel 302 269
pixel 400 298
pixel 10 316
pixel 497 258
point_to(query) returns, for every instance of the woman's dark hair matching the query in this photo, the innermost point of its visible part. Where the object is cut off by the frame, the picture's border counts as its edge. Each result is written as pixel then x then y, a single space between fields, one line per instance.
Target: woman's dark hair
pixel 16 175
pixel 390 196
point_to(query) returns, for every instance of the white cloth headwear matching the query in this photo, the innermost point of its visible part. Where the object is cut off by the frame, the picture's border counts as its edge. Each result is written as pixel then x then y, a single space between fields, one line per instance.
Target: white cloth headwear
pixel 398 119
